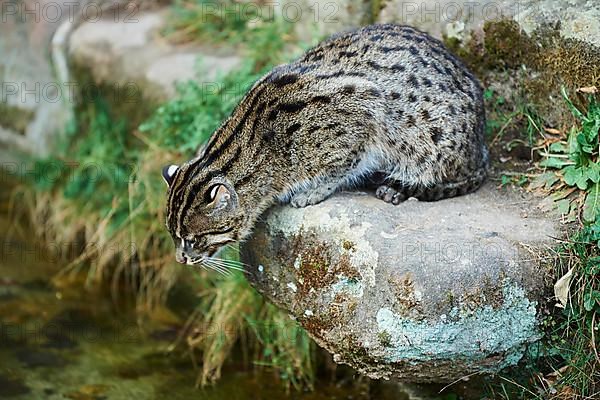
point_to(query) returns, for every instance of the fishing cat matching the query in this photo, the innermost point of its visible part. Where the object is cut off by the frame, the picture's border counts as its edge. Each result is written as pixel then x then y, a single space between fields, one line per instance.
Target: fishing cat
pixel 383 103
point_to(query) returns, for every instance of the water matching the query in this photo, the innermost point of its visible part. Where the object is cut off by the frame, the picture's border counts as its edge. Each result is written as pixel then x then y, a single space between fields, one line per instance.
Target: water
pixel 61 341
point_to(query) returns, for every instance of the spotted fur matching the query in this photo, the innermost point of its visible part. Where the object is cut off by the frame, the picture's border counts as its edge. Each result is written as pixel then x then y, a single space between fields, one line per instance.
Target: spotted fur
pixel 385 103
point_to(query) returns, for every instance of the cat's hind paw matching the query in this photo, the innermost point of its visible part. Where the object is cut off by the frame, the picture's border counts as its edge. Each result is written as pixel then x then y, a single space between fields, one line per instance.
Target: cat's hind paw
pixel 390 194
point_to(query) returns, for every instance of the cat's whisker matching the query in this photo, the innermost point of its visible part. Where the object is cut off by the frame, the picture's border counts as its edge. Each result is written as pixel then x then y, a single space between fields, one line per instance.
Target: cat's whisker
pixel 229 267
pixel 231 246
pixel 209 267
pixel 234 262
pixel 231 264
pixel 215 267
pixel 228 264
pixel 222 268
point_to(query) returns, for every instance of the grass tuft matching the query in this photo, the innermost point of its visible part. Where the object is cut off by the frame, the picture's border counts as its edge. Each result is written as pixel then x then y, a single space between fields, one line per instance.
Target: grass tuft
pixel 572 183
pixel 109 199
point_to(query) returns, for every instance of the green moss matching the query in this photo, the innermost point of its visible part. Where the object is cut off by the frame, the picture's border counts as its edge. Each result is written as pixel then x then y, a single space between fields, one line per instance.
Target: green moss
pixel 550 61
pixel 385 339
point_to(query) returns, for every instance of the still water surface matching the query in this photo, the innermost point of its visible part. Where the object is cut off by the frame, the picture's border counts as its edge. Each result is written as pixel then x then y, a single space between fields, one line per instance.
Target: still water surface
pixel 60 341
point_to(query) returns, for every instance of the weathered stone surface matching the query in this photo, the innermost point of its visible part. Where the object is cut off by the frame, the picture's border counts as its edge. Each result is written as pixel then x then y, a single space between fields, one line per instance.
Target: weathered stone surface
pixel 544 44
pixel 420 291
pixel 133 59
pixel 578 19
pixel 33 107
pixel 322 18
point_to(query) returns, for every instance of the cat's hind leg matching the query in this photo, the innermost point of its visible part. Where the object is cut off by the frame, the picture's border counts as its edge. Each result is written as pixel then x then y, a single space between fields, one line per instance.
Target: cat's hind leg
pixel 395 192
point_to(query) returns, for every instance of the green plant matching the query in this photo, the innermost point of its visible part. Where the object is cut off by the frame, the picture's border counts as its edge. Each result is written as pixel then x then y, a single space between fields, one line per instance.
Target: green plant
pixel 572 182
pixel 118 218
pixel 267 38
pixel 519 115
pixel 572 341
pixel 223 21
pixel 575 168
pixel 188 120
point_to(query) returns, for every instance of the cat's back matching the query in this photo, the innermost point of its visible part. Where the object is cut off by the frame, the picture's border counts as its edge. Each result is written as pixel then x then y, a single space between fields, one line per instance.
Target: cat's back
pixel 395 57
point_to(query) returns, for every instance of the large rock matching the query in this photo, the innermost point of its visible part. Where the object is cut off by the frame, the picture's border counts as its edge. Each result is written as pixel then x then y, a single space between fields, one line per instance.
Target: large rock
pixel 524 51
pixel 132 59
pixel 577 19
pixel 317 19
pixel 33 107
pixel 419 291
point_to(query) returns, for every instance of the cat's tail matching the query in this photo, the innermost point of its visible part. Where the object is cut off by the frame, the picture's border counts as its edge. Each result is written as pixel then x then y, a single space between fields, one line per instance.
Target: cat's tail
pixel 470 184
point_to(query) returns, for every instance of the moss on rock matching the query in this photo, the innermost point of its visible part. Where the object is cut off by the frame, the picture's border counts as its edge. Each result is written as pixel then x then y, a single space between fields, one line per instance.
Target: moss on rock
pixel 542 63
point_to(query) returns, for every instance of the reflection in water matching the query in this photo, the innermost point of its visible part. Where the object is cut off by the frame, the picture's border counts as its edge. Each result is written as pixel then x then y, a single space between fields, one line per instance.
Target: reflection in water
pixel 59 340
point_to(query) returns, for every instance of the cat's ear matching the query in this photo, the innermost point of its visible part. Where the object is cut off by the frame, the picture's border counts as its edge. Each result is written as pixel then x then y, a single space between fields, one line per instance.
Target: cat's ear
pixel 220 196
pixel 168 173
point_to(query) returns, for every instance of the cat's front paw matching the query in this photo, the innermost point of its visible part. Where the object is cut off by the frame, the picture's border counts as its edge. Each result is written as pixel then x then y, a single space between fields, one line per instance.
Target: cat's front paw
pixel 303 199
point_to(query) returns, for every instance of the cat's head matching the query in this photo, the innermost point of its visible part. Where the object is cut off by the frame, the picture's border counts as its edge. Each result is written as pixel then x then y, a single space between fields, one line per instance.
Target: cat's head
pixel 203 212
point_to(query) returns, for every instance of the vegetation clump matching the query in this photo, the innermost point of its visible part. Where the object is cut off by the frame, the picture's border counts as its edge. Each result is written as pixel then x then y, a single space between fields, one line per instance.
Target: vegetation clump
pixel 565 364
pixel 107 196
pixel 572 182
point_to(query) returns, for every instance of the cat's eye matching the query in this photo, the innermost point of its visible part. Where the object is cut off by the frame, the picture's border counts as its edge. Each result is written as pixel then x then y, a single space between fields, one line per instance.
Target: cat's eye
pixel 213 192
pixel 210 194
pixel 217 192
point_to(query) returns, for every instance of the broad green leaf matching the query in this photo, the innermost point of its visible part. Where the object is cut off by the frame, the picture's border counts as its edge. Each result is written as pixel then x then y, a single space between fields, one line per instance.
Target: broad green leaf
pixel 593 172
pixel 553 162
pixel 572 175
pixel 546 180
pixel 589 300
pixel 558 147
pixel 584 144
pixel 582 181
pixel 563 206
pixel 592 204
pixel 574 146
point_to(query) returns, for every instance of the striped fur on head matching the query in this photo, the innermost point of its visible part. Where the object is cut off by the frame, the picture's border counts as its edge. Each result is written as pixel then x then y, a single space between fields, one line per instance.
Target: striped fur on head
pixel 202 212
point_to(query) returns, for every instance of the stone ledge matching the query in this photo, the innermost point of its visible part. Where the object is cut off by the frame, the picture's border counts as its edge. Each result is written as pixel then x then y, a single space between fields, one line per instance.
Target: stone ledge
pixel 421 291
pixel 121 53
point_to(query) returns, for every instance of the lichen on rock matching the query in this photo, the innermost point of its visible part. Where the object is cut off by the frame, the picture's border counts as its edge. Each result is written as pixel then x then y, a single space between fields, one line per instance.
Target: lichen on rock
pixel 420 291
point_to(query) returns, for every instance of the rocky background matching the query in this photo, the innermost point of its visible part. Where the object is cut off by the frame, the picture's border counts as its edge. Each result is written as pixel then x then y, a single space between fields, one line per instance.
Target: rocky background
pixel 544 44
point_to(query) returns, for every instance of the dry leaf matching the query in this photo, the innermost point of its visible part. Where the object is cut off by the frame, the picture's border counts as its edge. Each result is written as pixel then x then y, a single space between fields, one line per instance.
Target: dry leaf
pixel 552 131
pixel 561 288
pixel 589 89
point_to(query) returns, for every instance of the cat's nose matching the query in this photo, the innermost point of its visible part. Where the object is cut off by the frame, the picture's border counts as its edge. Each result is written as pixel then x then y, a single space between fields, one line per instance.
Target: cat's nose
pixel 181 258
